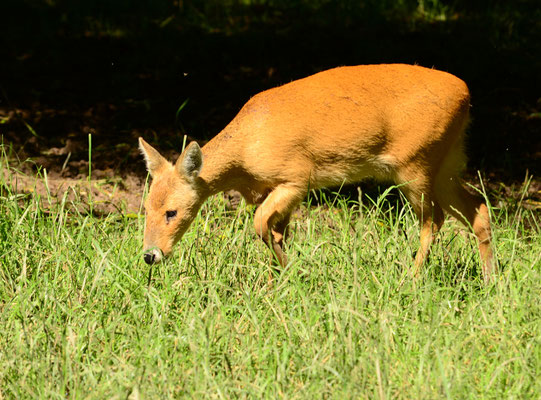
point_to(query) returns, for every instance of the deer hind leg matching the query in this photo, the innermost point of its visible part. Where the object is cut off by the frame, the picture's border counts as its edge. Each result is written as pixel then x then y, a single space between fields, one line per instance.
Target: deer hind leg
pixel 418 190
pixel 471 211
pixel 272 216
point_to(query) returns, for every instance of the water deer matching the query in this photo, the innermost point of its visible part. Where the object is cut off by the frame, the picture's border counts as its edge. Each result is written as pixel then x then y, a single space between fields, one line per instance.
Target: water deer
pixel 395 122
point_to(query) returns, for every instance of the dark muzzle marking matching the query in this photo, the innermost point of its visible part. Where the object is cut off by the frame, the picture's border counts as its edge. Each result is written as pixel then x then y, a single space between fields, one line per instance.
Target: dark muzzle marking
pixel 149 258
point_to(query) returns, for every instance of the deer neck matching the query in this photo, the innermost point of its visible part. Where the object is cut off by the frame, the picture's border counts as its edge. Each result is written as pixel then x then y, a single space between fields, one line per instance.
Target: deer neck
pixel 222 169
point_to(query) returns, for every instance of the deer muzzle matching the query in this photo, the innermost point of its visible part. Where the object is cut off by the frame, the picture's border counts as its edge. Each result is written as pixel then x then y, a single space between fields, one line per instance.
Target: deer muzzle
pixel 153 256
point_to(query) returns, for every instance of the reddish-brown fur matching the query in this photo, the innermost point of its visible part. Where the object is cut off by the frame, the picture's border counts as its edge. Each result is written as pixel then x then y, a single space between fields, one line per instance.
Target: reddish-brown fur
pixel 394 122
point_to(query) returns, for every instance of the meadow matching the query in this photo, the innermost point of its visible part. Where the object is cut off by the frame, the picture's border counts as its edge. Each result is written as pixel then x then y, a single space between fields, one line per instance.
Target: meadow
pixel 82 316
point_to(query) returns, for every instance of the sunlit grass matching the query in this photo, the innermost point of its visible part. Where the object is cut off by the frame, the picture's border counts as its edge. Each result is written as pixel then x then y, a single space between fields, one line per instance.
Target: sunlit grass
pixel 82 317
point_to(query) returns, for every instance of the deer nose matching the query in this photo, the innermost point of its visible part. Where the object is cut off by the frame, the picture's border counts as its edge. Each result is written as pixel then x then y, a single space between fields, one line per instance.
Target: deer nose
pixel 149 258
pixel 153 255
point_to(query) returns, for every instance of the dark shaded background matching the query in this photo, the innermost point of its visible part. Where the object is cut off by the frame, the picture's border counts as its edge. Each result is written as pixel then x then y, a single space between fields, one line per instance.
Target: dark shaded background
pixel 120 69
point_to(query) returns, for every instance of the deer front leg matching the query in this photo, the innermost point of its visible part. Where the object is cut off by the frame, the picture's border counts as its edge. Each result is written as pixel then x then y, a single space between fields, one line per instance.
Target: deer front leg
pixel 272 216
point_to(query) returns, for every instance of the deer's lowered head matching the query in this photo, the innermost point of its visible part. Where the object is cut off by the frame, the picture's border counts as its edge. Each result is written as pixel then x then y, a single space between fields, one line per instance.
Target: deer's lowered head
pixel 175 196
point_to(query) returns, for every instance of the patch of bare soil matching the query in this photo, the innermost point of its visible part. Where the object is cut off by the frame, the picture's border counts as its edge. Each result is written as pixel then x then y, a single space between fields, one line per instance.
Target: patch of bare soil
pixel 103 193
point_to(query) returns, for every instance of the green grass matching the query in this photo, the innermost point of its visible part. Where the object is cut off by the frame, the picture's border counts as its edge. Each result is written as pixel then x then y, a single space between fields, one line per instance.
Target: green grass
pixel 80 318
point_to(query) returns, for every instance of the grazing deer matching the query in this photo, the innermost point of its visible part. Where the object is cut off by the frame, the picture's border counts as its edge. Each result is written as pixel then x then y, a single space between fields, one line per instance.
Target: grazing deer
pixel 393 122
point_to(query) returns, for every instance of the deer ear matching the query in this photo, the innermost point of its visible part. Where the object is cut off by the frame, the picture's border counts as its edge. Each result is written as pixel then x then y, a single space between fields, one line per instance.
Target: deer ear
pixel 190 162
pixel 153 159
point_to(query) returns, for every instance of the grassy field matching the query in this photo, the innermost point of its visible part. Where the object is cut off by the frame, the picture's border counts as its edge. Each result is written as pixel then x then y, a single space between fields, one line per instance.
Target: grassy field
pixel 81 315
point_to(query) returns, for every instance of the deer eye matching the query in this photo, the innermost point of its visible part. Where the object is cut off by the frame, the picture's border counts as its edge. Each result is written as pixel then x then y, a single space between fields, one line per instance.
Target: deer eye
pixel 169 215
